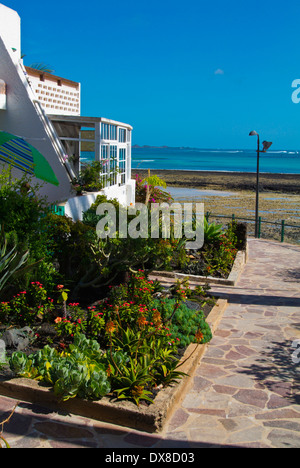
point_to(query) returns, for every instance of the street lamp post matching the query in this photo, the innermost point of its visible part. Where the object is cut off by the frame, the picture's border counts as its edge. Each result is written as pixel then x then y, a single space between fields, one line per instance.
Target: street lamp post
pixel 266 145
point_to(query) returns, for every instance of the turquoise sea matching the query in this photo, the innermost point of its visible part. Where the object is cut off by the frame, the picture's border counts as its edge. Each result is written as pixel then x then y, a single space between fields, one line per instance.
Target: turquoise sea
pixel 194 159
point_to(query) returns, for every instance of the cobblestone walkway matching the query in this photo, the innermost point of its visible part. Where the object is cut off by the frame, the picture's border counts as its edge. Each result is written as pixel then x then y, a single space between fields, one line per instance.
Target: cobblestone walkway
pixel 245 392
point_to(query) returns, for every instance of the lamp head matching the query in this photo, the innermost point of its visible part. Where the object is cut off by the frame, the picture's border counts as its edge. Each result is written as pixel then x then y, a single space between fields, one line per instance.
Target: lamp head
pixel 266 145
pixel 253 133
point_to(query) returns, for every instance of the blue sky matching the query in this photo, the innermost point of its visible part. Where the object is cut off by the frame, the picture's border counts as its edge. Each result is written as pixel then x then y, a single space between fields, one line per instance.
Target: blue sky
pixel 194 73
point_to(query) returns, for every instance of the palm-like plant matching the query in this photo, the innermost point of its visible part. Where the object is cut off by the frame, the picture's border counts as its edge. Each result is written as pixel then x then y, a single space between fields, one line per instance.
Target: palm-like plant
pixel 42 67
pixel 10 261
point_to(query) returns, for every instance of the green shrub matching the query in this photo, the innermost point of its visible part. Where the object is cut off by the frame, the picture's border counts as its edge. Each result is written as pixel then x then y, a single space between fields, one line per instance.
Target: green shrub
pixel 68 245
pixel 22 214
pixel 89 178
pixel 21 209
pixel 185 325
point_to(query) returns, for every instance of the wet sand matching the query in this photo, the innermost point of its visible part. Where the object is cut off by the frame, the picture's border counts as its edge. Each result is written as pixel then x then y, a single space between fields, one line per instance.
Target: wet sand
pixel 287 183
pixel 279 198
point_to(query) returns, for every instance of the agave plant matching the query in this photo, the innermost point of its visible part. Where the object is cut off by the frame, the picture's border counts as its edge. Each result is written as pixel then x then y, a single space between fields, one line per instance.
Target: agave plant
pixel 10 261
pixel 212 231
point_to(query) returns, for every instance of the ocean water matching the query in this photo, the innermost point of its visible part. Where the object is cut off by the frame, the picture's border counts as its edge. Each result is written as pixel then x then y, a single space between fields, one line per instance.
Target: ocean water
pixel 193 159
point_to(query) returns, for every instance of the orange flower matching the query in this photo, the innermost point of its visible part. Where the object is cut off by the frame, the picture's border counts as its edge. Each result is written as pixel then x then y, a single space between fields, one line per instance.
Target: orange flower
pixel 137 390
pixel 142 321
pixel 156 318
pixel 198 336
pixel 60 286
pixel 110 327
pixel 58 320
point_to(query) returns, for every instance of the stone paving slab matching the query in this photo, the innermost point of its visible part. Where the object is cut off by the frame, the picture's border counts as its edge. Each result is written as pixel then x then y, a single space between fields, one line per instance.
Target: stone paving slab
pixel 245 391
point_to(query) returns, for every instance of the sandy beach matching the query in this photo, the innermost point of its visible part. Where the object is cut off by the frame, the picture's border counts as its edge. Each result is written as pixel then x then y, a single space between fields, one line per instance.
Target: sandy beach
pixel 279 198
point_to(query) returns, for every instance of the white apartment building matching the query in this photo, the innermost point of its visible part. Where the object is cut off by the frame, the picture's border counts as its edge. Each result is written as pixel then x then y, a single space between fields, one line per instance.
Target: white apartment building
pixel 44 110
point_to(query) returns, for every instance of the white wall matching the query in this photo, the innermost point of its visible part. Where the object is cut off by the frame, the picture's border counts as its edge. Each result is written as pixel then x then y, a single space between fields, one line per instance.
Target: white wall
pixel 2 95
pixel 10 30
pixel 76 206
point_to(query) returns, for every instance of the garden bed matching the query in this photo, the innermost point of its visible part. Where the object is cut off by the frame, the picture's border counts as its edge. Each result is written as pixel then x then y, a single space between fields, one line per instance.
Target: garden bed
pixel 150 418
pixel 239 262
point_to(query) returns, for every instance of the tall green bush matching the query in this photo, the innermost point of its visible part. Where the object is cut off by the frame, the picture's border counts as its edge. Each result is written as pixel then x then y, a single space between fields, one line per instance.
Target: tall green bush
pixel 22 213
pixel 21 209
pixel 68 244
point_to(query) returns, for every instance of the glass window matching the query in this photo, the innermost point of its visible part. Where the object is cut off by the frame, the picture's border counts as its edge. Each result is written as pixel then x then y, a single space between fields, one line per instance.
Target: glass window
pixel 104 131
pixel 113 165
pixel 113 132
pixel 108 132
pixel 122 164
pixel 122 135
pixel 105 163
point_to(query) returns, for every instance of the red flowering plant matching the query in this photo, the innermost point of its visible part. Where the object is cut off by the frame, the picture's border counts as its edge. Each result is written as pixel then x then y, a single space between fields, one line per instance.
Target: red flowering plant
pixel 219 259
pixel 89 321
pixel 68 327
pixel 137 290
pixel 133 305
pixel 28 307
pixel 95 322
pixel 130 307
pixel 130 303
